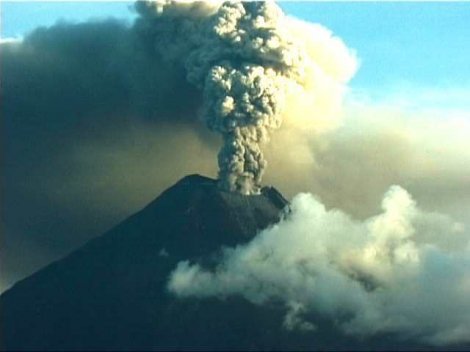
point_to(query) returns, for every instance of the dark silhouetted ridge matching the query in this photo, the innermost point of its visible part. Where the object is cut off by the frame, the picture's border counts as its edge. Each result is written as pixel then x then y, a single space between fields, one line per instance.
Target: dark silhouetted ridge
pixel 111 293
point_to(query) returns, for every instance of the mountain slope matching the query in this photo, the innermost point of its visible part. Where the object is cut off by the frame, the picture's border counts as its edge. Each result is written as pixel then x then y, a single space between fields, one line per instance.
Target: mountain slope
pixel 111 293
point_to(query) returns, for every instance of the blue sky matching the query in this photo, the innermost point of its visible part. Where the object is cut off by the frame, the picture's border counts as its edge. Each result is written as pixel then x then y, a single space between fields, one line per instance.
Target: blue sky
pixel 401 45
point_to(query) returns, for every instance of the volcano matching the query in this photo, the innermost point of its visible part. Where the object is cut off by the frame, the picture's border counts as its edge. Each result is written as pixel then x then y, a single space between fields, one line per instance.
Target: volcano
pixel 111 293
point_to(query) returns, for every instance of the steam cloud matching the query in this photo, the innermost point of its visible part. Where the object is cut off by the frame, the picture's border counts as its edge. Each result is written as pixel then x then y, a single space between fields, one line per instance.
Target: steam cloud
pixel 246 59
pixel 403 271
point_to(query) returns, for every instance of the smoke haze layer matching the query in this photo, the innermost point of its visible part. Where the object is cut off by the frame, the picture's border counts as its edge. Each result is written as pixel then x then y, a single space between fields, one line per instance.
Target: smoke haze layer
pixel 88 116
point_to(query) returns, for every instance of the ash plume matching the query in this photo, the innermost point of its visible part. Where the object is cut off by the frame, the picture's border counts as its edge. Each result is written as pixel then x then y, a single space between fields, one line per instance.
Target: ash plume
pixel 245 60
pixel 114 96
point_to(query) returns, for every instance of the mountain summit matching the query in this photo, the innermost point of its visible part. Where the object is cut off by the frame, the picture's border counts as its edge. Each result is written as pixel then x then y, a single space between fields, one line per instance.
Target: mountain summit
pixel 111 293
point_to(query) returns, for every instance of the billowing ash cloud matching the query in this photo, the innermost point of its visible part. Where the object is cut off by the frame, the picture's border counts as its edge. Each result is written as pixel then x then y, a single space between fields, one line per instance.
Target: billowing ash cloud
pixel 99 117
pixel 88 120
pixel 247 60
pixel 404 271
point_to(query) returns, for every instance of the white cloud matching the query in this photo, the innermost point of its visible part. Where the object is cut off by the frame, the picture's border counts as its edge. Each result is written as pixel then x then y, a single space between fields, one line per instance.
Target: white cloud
pixel 393 272
pixel 9 40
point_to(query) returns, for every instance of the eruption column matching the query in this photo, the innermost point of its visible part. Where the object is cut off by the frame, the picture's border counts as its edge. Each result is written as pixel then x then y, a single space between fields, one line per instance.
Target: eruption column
pixel 244 61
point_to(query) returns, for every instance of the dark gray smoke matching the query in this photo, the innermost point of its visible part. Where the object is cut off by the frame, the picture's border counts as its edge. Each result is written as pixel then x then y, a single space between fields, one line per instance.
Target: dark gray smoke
pixel 246 59
pixel 87 115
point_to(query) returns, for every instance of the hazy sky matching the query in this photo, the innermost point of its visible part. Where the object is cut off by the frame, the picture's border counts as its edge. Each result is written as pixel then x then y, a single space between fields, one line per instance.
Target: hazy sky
pixel 401 45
